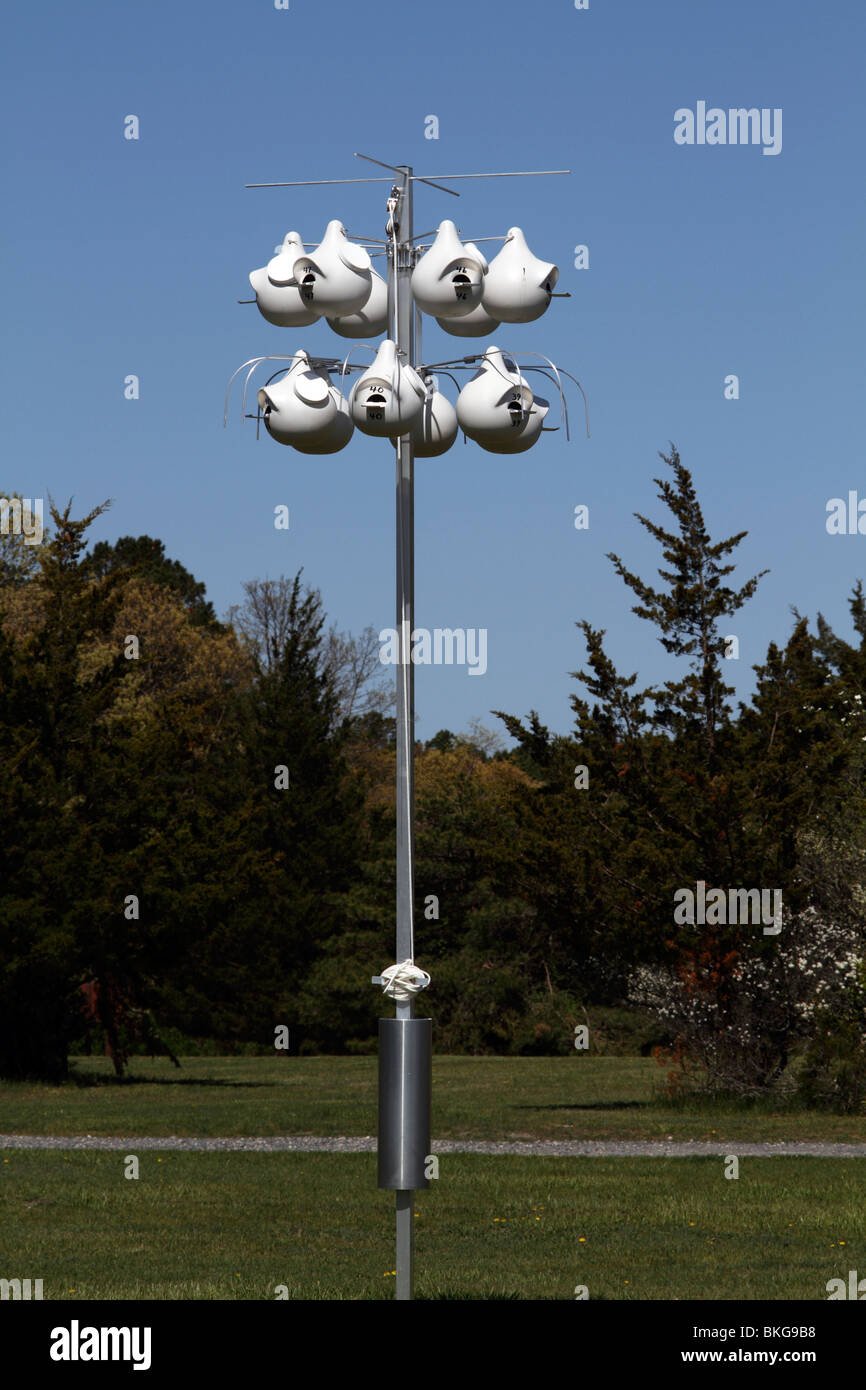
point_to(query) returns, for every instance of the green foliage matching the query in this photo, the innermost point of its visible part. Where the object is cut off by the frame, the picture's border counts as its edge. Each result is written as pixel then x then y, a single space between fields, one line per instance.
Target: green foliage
pixel 688 615
pixel 113 792
pixel 679 790
pixel 146 557
pixel 47 715
pixel 544 876
pixel 833 1072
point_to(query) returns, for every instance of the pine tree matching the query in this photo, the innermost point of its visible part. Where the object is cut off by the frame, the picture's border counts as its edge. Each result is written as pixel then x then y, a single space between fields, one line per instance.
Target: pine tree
pixel 47 714
pixel 659 810
pixel 689 613
pixel 110 796
pixel 296 835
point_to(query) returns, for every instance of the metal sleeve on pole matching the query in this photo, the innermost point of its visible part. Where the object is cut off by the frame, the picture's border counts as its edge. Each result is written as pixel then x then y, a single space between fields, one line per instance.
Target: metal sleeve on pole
pixel 405 1087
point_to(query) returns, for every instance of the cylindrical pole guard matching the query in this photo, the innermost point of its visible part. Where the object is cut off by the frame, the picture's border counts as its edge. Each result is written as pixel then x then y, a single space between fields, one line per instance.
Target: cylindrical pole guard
pixel 405 1095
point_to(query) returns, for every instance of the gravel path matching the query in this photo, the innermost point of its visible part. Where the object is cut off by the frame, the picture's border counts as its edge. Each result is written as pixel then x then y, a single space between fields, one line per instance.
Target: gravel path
pixel 554 1148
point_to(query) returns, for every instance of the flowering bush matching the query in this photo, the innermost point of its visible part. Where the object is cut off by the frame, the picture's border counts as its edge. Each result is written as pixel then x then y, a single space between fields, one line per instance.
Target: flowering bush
pixel 736 1010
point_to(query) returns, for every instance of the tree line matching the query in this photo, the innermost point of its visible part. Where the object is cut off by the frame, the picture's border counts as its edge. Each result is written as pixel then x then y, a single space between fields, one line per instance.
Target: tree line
pixel 198 829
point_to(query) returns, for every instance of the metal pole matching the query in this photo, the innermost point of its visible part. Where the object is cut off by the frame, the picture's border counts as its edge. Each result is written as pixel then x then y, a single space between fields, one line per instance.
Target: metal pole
pixel 404 327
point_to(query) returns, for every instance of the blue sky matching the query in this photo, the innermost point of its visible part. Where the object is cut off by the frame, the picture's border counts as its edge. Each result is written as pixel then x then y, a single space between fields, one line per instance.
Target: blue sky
pixel 128 257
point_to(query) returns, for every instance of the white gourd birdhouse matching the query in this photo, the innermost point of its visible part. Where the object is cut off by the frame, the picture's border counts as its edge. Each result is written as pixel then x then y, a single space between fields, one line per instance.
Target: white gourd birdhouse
pixel 448 280
pixel 304 409
pixel 278 295
pixel 497 409
pixel 518 286
pixel 387 397
pixel 525 438
pixel 478 324
pixel 435 429
pixel 336 278
pixel 371 319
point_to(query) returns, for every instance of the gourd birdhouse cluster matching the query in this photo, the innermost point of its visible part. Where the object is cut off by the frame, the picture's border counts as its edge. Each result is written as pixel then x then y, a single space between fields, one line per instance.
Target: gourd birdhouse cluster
pixel 451 281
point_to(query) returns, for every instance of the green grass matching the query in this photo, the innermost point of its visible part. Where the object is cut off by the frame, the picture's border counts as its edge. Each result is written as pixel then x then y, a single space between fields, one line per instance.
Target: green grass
pixel 235 1226
pixel 580 1097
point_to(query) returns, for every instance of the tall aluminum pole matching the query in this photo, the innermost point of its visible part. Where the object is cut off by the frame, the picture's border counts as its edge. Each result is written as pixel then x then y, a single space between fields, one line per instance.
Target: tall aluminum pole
pixel 405 1043
pixel 404 327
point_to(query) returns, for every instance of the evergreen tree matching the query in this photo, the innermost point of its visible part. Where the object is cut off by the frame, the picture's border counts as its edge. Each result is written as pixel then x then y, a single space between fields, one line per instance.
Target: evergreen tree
pixel 146 557
pixel 646 798
pixel 688 614
pixel 114 850
pixel 296 832
pixel 47 713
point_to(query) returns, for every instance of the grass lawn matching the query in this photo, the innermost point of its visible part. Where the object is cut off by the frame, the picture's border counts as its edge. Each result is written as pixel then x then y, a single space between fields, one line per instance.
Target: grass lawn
pixel 579 1097
pixel 235 1226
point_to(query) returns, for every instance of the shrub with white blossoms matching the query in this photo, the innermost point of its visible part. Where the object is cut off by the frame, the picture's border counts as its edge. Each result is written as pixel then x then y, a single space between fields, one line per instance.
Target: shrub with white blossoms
pixel 737 1019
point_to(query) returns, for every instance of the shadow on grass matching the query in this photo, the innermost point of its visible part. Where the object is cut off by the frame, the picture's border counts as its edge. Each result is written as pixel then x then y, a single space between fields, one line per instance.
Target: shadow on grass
pixel 491 1298
pixel 589 1105
pixel 84 1080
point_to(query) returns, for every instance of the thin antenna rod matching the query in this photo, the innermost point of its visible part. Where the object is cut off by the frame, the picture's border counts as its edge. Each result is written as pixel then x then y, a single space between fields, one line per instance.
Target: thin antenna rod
pixel 418 177
pixel 382 165
pixel 518 174
pixel 311 183
pixel 440 186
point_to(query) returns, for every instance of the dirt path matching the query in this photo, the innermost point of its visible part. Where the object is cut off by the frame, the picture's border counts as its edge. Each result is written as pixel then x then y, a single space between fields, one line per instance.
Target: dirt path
pixel 539 1148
